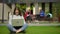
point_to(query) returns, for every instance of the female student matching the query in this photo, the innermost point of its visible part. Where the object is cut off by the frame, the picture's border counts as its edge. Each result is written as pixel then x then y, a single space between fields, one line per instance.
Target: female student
pixel 16 15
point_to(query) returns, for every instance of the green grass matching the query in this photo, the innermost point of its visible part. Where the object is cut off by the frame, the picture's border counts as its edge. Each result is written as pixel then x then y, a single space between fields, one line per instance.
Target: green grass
pixel 35 30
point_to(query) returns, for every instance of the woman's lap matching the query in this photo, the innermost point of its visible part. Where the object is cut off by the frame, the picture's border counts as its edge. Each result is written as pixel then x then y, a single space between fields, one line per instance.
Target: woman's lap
pixel 14 28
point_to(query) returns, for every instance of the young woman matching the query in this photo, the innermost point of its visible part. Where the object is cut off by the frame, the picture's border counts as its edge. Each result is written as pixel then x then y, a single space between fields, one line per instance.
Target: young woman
pixel 16 15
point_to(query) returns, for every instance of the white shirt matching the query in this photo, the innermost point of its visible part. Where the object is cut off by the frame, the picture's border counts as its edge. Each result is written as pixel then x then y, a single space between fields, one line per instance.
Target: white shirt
pixel 15 17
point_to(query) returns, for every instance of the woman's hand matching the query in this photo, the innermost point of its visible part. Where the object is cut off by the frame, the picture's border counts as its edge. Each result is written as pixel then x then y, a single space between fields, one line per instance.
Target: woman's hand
pixel 18 31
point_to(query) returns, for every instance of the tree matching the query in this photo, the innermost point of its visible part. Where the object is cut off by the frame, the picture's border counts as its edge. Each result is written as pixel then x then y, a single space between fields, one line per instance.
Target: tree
pixel 22 7
pixel 58 10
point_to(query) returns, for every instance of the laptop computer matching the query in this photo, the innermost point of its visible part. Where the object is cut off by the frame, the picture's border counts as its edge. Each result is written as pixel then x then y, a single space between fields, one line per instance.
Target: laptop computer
pixel 17 22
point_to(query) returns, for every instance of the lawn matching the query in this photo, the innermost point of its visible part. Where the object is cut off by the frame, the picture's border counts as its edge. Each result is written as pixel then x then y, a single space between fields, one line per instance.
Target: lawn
pixel 35 30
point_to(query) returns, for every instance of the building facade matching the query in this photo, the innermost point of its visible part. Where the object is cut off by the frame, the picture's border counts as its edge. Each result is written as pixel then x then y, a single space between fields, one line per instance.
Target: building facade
pixel 9 6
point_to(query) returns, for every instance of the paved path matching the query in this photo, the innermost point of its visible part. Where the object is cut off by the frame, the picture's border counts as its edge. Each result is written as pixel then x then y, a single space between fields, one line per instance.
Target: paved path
pixel 3 24
pixel 44 24
pixel 37 24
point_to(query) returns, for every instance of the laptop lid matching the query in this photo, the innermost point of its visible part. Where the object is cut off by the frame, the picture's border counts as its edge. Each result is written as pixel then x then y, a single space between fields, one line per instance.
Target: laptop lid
pixel 17 22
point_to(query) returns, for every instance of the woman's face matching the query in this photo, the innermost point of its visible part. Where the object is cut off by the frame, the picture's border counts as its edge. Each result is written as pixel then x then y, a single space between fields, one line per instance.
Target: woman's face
pixel 17 12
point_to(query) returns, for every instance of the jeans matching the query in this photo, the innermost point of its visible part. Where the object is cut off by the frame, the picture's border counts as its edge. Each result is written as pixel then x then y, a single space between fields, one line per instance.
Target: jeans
pixel 11 28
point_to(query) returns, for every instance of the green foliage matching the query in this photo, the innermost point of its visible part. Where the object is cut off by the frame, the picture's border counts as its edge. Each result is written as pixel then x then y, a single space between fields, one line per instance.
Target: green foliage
pixel 58 8
pixel 32 7
pixel 22 7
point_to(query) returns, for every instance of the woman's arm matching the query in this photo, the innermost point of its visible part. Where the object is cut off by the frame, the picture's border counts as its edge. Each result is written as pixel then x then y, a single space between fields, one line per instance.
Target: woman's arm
pixel 23 19
pixel 23 27
pixel 10 20
pixel 10 27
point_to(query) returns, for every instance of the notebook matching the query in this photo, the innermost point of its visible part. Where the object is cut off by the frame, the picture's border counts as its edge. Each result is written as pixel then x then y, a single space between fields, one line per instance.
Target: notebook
pixel 17 22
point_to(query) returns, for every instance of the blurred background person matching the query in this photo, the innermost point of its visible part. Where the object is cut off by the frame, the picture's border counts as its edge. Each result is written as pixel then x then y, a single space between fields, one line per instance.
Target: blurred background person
pixel 42 15
pixel 27 15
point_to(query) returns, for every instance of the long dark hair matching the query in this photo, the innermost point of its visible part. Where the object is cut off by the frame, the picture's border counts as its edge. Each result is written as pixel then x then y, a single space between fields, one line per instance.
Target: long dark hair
pixel 18 10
